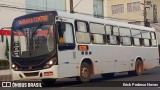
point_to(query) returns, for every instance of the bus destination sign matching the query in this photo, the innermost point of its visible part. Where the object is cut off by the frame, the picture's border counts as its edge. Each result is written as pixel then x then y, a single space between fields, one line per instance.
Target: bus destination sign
pixel 33 19
pixel 37 19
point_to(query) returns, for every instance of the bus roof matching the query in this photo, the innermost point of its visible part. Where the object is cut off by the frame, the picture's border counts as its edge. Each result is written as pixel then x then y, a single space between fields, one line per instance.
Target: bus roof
pixel 80 17
pixel 99 20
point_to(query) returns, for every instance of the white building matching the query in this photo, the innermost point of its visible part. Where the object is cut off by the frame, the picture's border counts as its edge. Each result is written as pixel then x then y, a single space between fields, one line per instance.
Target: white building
pixel 8 11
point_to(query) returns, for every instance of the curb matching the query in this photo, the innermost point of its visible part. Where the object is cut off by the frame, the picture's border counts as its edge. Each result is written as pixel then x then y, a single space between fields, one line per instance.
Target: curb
pixel 6 78
pixel 5 75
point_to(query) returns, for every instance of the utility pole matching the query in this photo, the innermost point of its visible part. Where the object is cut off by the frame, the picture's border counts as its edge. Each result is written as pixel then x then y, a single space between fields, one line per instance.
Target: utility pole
pixel 146 22
pixel 46 5
pixel 145 12
pixel 71 6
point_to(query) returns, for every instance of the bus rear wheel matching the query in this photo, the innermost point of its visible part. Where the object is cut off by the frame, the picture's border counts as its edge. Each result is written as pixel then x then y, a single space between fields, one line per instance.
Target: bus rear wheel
pixel 138 69
pixel 48 82
pixel 85 73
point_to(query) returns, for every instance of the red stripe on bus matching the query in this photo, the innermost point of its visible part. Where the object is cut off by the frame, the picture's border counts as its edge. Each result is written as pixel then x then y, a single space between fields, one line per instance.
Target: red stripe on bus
pixel 5 32
pixel 8 33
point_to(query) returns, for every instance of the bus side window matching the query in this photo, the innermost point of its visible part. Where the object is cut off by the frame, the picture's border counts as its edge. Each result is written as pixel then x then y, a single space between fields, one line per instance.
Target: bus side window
pixel 65 36
pixel 153 39
pixel 112 35
pixel 136 37
pixel 82 32
pixel 125 34
pixel 146 38
pixel 97 33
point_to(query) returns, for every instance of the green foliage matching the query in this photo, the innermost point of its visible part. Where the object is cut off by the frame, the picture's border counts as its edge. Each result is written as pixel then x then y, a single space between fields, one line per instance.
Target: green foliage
pixel 4 63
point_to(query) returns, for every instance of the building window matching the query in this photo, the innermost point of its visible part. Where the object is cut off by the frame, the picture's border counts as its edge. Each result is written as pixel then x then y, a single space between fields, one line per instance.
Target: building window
pixel 117 8
pixel 98 8
pixel 133 7
pixel 45 5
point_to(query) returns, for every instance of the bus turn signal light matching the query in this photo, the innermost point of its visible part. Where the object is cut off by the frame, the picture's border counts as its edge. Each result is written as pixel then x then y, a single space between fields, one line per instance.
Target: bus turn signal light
pixel 82 47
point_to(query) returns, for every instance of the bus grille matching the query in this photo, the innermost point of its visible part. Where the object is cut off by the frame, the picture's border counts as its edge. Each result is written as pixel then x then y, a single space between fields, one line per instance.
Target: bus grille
pixel 30 65
pixel 31 74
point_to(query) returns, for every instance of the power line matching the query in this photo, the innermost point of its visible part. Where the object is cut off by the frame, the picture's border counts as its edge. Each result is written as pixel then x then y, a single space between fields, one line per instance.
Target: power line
pixel 77 4
pixel 22 4
pixel 13 7
pixel 19 8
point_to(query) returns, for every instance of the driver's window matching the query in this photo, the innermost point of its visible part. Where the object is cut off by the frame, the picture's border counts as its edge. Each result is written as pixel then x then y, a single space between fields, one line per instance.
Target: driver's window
pixel 65 31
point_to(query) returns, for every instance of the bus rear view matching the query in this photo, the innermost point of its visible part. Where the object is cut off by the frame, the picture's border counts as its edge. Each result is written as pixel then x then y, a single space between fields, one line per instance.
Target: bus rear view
pixel 33 47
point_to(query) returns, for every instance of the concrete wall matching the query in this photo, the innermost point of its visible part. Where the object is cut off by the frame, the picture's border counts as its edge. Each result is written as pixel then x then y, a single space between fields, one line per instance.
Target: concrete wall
pixel 7 14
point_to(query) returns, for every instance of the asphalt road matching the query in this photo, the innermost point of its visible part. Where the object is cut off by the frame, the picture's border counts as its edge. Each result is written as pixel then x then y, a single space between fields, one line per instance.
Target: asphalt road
pixel 99 83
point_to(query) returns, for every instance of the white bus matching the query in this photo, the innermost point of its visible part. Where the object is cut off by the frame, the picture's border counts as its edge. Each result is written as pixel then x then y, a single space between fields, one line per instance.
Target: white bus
pixel 59 45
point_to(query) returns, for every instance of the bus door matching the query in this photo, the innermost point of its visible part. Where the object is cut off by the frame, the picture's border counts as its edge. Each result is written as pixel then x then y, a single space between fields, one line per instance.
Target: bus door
pixel 66 53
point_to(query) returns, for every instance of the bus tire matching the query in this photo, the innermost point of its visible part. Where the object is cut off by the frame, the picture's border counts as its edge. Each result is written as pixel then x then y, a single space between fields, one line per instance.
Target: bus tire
pixel 85 73
pixel 48 82
pixel 108 75
pixel 138 69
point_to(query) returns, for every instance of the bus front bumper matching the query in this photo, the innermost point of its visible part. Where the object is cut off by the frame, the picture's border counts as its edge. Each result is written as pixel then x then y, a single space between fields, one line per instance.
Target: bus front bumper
pixel 51 73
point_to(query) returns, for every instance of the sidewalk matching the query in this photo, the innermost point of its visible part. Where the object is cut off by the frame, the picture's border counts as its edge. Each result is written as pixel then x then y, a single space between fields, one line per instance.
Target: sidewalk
pixel 5 72
pixel 5 75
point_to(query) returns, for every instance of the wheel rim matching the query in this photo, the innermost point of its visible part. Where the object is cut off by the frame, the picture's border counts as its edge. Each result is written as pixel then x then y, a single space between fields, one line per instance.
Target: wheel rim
pixel 85 73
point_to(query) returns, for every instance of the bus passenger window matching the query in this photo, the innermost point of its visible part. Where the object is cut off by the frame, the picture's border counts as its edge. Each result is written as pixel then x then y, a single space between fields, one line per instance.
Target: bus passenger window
pixel 136 37
pixel 153 40
pixel 125 36
pixel 112 35
pixel 82 32
pixel 98 33
pixel 146 38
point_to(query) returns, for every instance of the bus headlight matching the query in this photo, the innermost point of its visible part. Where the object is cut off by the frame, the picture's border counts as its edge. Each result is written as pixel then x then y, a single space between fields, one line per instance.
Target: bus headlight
pixel 50 63
pixel 14 67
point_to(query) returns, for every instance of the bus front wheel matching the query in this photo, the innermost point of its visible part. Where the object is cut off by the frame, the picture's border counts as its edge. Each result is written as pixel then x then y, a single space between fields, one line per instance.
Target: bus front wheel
pixel 85 73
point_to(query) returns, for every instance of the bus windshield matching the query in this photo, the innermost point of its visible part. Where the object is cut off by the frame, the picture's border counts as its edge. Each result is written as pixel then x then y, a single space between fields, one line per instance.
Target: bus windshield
pixel 33 41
